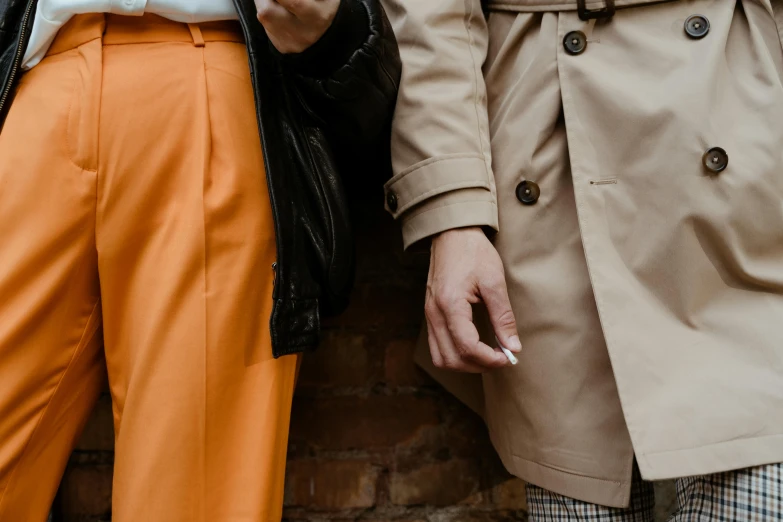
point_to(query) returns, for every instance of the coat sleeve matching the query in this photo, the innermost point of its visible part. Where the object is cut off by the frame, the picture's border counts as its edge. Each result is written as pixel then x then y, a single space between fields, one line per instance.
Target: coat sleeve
pixel 440 134
pixel 348 80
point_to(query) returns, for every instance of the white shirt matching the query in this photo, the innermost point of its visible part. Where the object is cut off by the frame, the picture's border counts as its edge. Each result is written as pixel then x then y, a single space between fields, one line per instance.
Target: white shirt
pixel 51 15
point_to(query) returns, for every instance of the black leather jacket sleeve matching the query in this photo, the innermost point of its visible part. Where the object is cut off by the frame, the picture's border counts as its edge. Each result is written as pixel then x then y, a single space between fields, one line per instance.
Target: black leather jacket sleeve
pixel 348 80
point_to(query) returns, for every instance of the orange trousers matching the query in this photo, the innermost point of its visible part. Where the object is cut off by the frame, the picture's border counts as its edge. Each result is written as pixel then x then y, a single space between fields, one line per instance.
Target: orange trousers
pixel 136 236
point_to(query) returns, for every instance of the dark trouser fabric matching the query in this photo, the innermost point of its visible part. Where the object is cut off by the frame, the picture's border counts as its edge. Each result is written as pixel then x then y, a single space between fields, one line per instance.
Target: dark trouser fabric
pixel 748 495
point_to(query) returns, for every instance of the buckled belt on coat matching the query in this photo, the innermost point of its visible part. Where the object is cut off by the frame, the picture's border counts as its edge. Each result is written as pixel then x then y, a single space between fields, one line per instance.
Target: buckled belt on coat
pixel 587 9
pixel 587 14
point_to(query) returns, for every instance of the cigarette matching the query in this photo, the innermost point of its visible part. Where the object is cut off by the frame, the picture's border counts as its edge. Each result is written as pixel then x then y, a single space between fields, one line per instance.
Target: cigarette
pixel 511 358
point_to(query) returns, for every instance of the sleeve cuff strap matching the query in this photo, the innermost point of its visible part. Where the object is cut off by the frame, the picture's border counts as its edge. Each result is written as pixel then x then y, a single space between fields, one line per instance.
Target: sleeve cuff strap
pixel 433 177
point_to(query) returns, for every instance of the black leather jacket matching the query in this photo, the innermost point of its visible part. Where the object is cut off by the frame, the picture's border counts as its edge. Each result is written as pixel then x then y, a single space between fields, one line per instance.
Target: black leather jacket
pixel 311 108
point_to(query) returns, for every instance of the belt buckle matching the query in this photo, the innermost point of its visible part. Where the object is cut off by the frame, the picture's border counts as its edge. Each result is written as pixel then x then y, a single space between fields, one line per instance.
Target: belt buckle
pixel 595 14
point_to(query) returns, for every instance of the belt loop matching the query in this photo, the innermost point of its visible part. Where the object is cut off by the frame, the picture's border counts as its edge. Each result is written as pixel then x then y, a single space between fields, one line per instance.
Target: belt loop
pixel 590 14
pixel 195 32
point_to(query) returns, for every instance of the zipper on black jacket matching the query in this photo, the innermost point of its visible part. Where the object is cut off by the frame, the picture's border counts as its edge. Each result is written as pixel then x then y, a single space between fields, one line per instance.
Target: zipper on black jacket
pixel 20 49
pixel 242 12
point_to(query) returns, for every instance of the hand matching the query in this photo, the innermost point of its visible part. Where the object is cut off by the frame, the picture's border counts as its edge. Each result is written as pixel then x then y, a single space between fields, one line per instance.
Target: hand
pixel 465 269
pixel 295 25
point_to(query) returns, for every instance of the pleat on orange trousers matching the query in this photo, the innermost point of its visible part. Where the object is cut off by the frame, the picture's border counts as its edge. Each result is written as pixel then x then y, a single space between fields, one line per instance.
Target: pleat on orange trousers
pixel 136 235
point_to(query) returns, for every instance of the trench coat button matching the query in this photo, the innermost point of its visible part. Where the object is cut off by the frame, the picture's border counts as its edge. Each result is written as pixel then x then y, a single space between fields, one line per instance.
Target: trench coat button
pixel 528 192
pixel 575 42
pixel 715 160
pixel 391 200
pixel 697 26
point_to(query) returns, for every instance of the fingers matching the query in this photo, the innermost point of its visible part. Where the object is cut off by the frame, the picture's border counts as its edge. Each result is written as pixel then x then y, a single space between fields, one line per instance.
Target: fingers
pixel 465 338
pixel 432 341
pixel 444 353
pixel 454 340
pixel 300 8
pixel 308 11
pixel 494 293
pixel 271 12
pixel 294 25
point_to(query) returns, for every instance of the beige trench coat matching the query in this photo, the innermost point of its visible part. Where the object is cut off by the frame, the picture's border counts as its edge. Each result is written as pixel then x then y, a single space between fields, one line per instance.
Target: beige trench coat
pixel 648 291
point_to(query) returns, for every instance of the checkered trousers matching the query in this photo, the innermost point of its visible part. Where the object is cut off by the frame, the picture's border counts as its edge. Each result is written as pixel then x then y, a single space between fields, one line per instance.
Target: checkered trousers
pixel 748 495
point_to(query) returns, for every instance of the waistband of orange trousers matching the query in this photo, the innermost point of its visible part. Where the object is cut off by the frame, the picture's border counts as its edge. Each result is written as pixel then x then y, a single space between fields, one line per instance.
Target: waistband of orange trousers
pixel 118 30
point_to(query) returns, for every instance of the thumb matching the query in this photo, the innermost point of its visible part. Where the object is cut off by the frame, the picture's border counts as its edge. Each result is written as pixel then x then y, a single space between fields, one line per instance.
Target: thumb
pixel 495 297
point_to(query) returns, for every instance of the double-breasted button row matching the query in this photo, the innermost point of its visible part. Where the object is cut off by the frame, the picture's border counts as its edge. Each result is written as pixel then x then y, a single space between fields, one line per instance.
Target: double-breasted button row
pixel 696 26
pixel 715 160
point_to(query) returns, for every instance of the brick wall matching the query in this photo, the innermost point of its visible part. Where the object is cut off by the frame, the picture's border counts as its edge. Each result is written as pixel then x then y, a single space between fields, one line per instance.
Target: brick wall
pixel 372 438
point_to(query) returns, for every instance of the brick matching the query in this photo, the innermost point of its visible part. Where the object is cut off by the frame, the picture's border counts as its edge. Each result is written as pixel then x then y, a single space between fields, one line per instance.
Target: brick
pixel 330 484
pixel 343 359
pixel 346 423
pixel 399 368
pixel 466 434
pixel 86 491
pixel 381 249
pixel 439 484
pixel 380 303
pixel 98 434
pixel 381 243
pixel 509 494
